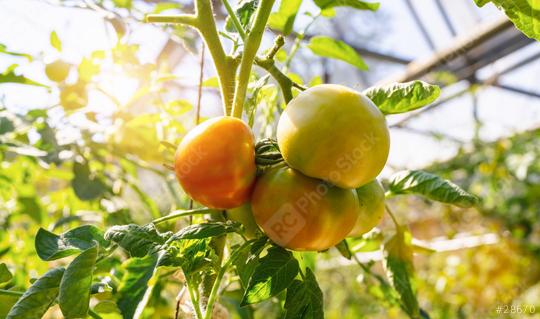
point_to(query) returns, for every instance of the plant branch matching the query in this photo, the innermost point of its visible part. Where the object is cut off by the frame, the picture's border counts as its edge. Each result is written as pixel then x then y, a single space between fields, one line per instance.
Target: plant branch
pixel 251 46
pixel 215 288
pixel 267 63
pixel 183 213
pixel 234 19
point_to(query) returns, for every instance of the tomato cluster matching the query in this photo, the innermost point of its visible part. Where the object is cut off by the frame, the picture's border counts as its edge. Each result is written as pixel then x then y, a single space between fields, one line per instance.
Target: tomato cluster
pixel 334 142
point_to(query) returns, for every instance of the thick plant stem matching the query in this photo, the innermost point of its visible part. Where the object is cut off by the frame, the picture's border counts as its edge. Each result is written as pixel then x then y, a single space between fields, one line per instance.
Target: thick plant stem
pixel 225 66
pixel 251 45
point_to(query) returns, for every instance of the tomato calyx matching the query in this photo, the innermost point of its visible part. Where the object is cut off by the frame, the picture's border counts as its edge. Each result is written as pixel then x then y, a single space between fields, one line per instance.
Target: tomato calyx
pixel 267 153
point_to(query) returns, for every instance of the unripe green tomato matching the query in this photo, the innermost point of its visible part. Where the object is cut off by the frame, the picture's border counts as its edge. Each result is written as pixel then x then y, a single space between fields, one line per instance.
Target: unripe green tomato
pixel 371 199
pixel 334 133
pixel 302 213
pixel 244 215
pixel 57 71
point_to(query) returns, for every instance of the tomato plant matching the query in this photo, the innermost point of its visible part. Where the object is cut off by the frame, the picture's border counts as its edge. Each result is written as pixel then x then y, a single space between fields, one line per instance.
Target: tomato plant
pixel 134 211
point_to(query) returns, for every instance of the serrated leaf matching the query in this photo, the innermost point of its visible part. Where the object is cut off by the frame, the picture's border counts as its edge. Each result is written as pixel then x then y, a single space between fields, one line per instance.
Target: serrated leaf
pixel 247 260
pixel 524 14
pixel 331 48
pixel 210 229
pixel 357 4
pixel 432 187
pixel 50 246
pixel 75 286
pixel 304 299
pixel 39 297
pixel 403 97
pixel 55 41
pixel 274 273
pixel 134 289
pixel 137 240
pixel 399 267
pixel 283 19
pixel 5 274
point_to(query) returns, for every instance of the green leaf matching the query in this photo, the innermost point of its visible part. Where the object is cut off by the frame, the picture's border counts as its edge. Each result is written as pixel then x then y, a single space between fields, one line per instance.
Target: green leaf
pixel 55 41
pixel 85 185
pixel 525 14
pixel 75 286
pixel 247 260
pixel 9 76
pixel 331 48
pixel 357 4
pixel 399 267
pixel 343 248
pixel 123 3
pixel 29 205
pixel 137 240
pixel 283 19
pixel 5 274
pixel 50 246
pixel 210 229
pixel 39 297
pixel 274 273
pixel 244 12
pixel 403 97
pixel 432 187
pixel 304 299
pixel 134 289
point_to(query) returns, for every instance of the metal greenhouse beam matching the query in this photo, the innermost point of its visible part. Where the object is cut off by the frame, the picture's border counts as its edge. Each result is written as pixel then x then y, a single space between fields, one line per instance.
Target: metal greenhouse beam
pixel 490 43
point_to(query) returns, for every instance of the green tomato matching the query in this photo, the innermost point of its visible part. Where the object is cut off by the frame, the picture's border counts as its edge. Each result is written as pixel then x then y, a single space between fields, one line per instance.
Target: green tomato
pixel 334 133
pixel 371 199
pixel 244 216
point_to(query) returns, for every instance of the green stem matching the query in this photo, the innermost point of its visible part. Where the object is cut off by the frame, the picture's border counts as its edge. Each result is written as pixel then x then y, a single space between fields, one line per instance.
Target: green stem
pixel 93 314
pixel 183 213
pixel 4 292
pixel 234 19
pixel 251 46
pixel 225 66
pixel 392 216
pixel 194 302
pixel 215 288
pixel 283 81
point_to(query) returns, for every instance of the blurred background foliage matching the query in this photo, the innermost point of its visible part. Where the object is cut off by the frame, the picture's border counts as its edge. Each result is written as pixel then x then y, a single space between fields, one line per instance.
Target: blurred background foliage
pixel 67 164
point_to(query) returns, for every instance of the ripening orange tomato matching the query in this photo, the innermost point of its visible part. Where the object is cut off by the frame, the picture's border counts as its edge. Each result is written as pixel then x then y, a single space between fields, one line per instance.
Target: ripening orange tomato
pixel 215 163
pixel 303 213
